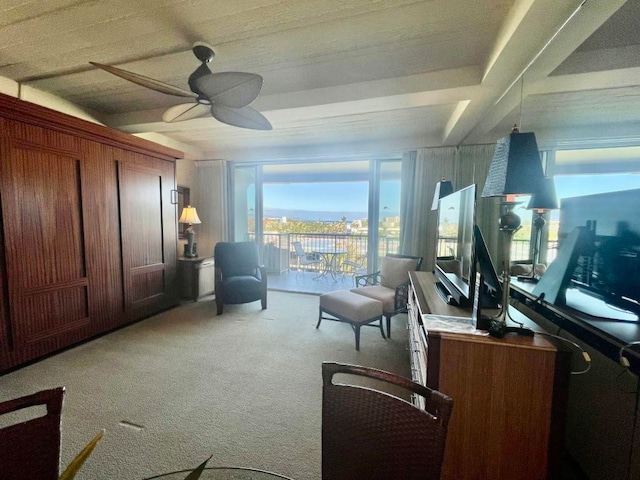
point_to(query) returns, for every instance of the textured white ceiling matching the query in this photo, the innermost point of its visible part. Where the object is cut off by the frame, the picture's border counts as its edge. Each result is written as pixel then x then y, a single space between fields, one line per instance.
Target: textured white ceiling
pixel 343 76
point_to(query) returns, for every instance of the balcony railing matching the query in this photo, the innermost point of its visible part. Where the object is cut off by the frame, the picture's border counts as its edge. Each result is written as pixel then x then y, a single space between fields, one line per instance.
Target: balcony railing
pixel 279 254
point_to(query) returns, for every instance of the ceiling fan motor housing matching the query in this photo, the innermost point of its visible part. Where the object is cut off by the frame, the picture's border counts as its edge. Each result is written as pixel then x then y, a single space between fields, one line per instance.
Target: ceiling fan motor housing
pixel 203 52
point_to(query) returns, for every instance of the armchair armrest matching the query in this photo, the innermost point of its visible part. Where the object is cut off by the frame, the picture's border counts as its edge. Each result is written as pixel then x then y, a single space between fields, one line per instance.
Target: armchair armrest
pixel 401 297
pixel 368 279
pixel 263 278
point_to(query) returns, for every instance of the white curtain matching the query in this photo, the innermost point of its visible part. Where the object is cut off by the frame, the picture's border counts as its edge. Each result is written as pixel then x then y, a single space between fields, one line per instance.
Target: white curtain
pixel 212 208
pixel 421 170
pixel 472 167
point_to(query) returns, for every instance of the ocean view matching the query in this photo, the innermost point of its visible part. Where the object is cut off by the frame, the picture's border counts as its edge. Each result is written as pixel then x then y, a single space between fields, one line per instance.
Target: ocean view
pixel 318 215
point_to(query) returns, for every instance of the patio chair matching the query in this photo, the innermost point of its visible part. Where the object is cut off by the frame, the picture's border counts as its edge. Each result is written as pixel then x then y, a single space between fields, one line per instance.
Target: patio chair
pixel 390 284
pixel 367 433
pixel 306 260
pixel 355 266
pixel 31 448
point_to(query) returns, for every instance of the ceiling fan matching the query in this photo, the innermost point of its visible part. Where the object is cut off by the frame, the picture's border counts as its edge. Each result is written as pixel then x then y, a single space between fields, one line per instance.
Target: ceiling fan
pixel 225 96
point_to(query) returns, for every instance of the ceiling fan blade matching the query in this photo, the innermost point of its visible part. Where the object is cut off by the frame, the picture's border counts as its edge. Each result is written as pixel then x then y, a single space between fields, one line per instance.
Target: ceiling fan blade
pixel 230 89
pixel 246 117
pixel 146 81
pixel 185 111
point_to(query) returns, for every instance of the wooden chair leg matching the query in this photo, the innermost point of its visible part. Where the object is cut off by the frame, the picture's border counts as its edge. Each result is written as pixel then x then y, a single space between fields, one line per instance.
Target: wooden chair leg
pixel 319 317
pixel 382 329
pixel 356 329
pixel 388 325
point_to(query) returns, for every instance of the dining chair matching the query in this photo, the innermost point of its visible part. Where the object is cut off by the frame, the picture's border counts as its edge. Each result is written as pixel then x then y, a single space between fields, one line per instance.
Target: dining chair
pixel 30 447
pixel 390 284
pixel 369 433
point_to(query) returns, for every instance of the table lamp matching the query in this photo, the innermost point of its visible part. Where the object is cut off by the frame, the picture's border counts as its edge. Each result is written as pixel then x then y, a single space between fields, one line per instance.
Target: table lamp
pixel 540 203
pixel 190 216
pixel 516 169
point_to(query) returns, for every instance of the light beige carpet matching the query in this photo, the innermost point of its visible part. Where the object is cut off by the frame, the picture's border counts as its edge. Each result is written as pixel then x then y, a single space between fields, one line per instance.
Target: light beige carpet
pixel 171 390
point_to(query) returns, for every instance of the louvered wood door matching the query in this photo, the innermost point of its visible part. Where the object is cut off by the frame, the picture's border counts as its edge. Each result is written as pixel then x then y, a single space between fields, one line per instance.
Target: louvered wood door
pixel 44 246
pixel 147 220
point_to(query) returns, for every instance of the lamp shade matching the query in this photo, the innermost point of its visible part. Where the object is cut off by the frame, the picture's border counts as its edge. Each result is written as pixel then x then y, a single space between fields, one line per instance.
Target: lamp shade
pixel 443 188
pixel 189 215
pixel 546 198
pixel 516 168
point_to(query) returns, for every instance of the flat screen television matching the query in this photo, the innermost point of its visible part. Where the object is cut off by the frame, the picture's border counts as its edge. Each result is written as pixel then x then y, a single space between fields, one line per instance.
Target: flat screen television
pixel 455 256
pixel 608 262
pixel 491 288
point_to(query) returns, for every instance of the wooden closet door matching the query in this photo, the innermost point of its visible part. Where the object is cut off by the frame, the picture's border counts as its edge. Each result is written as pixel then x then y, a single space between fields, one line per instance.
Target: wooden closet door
pixel 43 238
pixel 148 266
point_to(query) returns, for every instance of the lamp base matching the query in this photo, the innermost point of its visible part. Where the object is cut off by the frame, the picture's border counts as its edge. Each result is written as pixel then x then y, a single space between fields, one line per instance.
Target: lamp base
pixel 499 329
pixel 190 251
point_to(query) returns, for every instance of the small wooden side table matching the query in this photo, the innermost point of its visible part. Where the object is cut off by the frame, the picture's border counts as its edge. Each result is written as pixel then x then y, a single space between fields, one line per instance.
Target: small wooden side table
pixel 197 277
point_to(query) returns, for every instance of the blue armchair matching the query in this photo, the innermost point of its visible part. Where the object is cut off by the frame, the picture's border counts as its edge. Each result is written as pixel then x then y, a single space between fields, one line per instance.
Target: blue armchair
pixel 239 277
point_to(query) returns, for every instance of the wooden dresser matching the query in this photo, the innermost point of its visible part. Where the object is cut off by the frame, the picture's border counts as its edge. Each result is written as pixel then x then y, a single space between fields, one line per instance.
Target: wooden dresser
pixel 509 394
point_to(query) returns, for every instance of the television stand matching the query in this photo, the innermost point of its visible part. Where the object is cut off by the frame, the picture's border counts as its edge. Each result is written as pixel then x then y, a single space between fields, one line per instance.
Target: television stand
pixel 501 387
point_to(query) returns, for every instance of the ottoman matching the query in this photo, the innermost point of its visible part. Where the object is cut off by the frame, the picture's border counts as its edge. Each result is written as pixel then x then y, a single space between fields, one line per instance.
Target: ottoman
pixel 356 310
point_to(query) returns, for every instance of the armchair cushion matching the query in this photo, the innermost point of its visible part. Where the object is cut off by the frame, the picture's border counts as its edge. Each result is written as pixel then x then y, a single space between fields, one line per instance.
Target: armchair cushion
pixel 378 292
pixel 242 287
pixel 394 271
pixel 390 284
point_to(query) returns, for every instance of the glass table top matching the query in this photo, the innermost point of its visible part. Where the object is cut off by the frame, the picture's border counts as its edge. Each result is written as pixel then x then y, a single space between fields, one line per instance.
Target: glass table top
pixel 224 473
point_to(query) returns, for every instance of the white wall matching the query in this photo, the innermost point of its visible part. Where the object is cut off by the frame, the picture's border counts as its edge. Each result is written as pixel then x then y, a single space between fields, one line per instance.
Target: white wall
pixel 32 95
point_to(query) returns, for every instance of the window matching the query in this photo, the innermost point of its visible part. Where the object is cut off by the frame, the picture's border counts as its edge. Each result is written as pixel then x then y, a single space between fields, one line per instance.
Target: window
pixel 588 172
pixel 318 203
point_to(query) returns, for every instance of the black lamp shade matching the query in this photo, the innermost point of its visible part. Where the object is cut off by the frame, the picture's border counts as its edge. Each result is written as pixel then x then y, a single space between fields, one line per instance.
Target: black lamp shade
pixel 546 198
pixel 516 168
pixel 443 188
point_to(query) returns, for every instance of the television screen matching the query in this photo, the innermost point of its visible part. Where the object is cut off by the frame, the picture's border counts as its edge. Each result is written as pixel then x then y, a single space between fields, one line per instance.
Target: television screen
pixel 608 262
pixel 491 288
pixel 455 260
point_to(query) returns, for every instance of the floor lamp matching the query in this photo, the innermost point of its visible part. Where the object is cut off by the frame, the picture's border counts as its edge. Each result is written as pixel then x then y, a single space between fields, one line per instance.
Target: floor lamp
pixel 516 169
pixel 540 203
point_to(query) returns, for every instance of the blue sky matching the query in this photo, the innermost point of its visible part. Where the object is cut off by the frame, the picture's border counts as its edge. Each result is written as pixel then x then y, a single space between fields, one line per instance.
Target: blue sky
pixel 336 197
pixel 353 196
pixel 577 185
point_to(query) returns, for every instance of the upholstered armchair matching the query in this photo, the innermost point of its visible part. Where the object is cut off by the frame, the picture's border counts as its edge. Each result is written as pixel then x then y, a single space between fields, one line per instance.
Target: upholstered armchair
pixel 390 284
pixel 239 277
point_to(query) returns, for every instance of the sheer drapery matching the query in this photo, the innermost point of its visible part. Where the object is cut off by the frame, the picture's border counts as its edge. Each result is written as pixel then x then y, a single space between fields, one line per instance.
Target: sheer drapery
pixel 421 170
pixel 407 201
pixel 472 167
pixel 212 204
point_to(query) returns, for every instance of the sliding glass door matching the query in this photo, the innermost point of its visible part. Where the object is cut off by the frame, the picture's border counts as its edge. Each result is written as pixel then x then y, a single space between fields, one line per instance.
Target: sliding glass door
pixel 328 205
pixel 246 201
